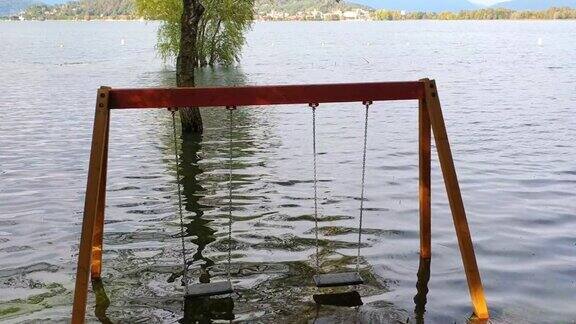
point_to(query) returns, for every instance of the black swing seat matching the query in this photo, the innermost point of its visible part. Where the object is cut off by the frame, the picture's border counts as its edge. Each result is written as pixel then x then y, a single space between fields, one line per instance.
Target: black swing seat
pixel 209 289
pixel 338 279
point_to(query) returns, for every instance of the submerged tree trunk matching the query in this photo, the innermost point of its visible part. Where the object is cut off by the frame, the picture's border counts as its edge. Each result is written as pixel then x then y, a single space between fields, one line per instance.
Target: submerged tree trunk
pixel 188 60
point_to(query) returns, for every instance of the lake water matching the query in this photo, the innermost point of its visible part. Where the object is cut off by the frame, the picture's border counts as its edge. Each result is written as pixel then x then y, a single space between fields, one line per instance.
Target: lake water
pixel 509 105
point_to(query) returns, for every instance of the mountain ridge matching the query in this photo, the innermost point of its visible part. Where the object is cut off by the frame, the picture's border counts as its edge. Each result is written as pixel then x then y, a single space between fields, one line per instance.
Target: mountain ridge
pixel 12 7
pixel 458 5
pixel 534 4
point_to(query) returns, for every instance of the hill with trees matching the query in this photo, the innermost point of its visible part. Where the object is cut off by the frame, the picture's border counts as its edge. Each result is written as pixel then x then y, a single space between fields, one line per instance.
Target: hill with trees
pixel 126 8
pixel 83 9
pixel 480 14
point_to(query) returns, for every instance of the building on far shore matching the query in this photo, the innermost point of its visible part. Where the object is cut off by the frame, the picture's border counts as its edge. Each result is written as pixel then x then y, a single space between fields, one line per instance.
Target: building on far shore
pixel 314 14
pixel 17 18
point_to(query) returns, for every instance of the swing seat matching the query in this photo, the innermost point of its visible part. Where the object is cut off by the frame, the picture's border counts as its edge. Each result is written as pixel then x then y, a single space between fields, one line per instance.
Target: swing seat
pixel 209 289
pixel 338 279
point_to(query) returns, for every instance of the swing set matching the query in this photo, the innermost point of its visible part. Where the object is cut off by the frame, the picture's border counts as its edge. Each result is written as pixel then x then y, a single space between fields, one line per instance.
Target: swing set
pixel 430 119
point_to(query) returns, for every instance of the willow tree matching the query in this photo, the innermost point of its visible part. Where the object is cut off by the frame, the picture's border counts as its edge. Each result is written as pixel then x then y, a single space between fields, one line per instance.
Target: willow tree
pixel 198 33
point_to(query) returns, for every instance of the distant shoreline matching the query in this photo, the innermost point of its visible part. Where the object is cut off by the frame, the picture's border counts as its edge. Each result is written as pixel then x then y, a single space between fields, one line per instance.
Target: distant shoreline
pixel 2 19
pixel 58 13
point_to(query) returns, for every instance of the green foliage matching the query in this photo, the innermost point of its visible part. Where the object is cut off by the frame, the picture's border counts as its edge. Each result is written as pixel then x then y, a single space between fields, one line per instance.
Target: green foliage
pixel 221 29
pixel 169 12
pixel 481 14
pixel 9 310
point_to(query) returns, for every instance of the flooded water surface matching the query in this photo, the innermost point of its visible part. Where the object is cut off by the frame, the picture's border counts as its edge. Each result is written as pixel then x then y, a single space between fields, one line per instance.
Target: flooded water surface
pixel 509 102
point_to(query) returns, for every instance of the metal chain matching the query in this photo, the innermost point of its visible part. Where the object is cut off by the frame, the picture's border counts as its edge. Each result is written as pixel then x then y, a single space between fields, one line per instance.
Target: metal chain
pixel 314 106
pixel 182 232
pixel 230 160
pixel 367 105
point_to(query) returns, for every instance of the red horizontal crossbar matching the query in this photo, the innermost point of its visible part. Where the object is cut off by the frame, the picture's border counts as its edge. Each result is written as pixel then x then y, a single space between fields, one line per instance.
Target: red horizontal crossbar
pixel 264 95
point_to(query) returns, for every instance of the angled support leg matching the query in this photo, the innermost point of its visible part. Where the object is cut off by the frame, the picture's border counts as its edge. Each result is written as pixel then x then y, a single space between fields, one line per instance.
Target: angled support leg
pixel 91 204
pixel 424 135
pixel 455 200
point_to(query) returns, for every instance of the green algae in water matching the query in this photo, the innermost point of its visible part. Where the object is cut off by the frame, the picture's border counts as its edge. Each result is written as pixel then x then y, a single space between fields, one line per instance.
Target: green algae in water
pixel 9 310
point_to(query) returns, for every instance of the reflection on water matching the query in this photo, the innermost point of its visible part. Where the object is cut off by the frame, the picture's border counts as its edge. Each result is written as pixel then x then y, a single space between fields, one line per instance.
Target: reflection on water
pixel 102 301
pixel 196 310
pixel 207 310
pixel 422 290
pixel 345 299
pixel 197 227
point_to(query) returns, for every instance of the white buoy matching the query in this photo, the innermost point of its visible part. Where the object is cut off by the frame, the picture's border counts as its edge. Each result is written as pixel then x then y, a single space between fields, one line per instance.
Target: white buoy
pixel 540 41
pixel 122 42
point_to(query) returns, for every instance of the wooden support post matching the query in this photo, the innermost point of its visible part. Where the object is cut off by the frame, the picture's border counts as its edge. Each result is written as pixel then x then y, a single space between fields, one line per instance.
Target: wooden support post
pixel 424 135
pixel 98 236
pixel 455 200
pixel 91 204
